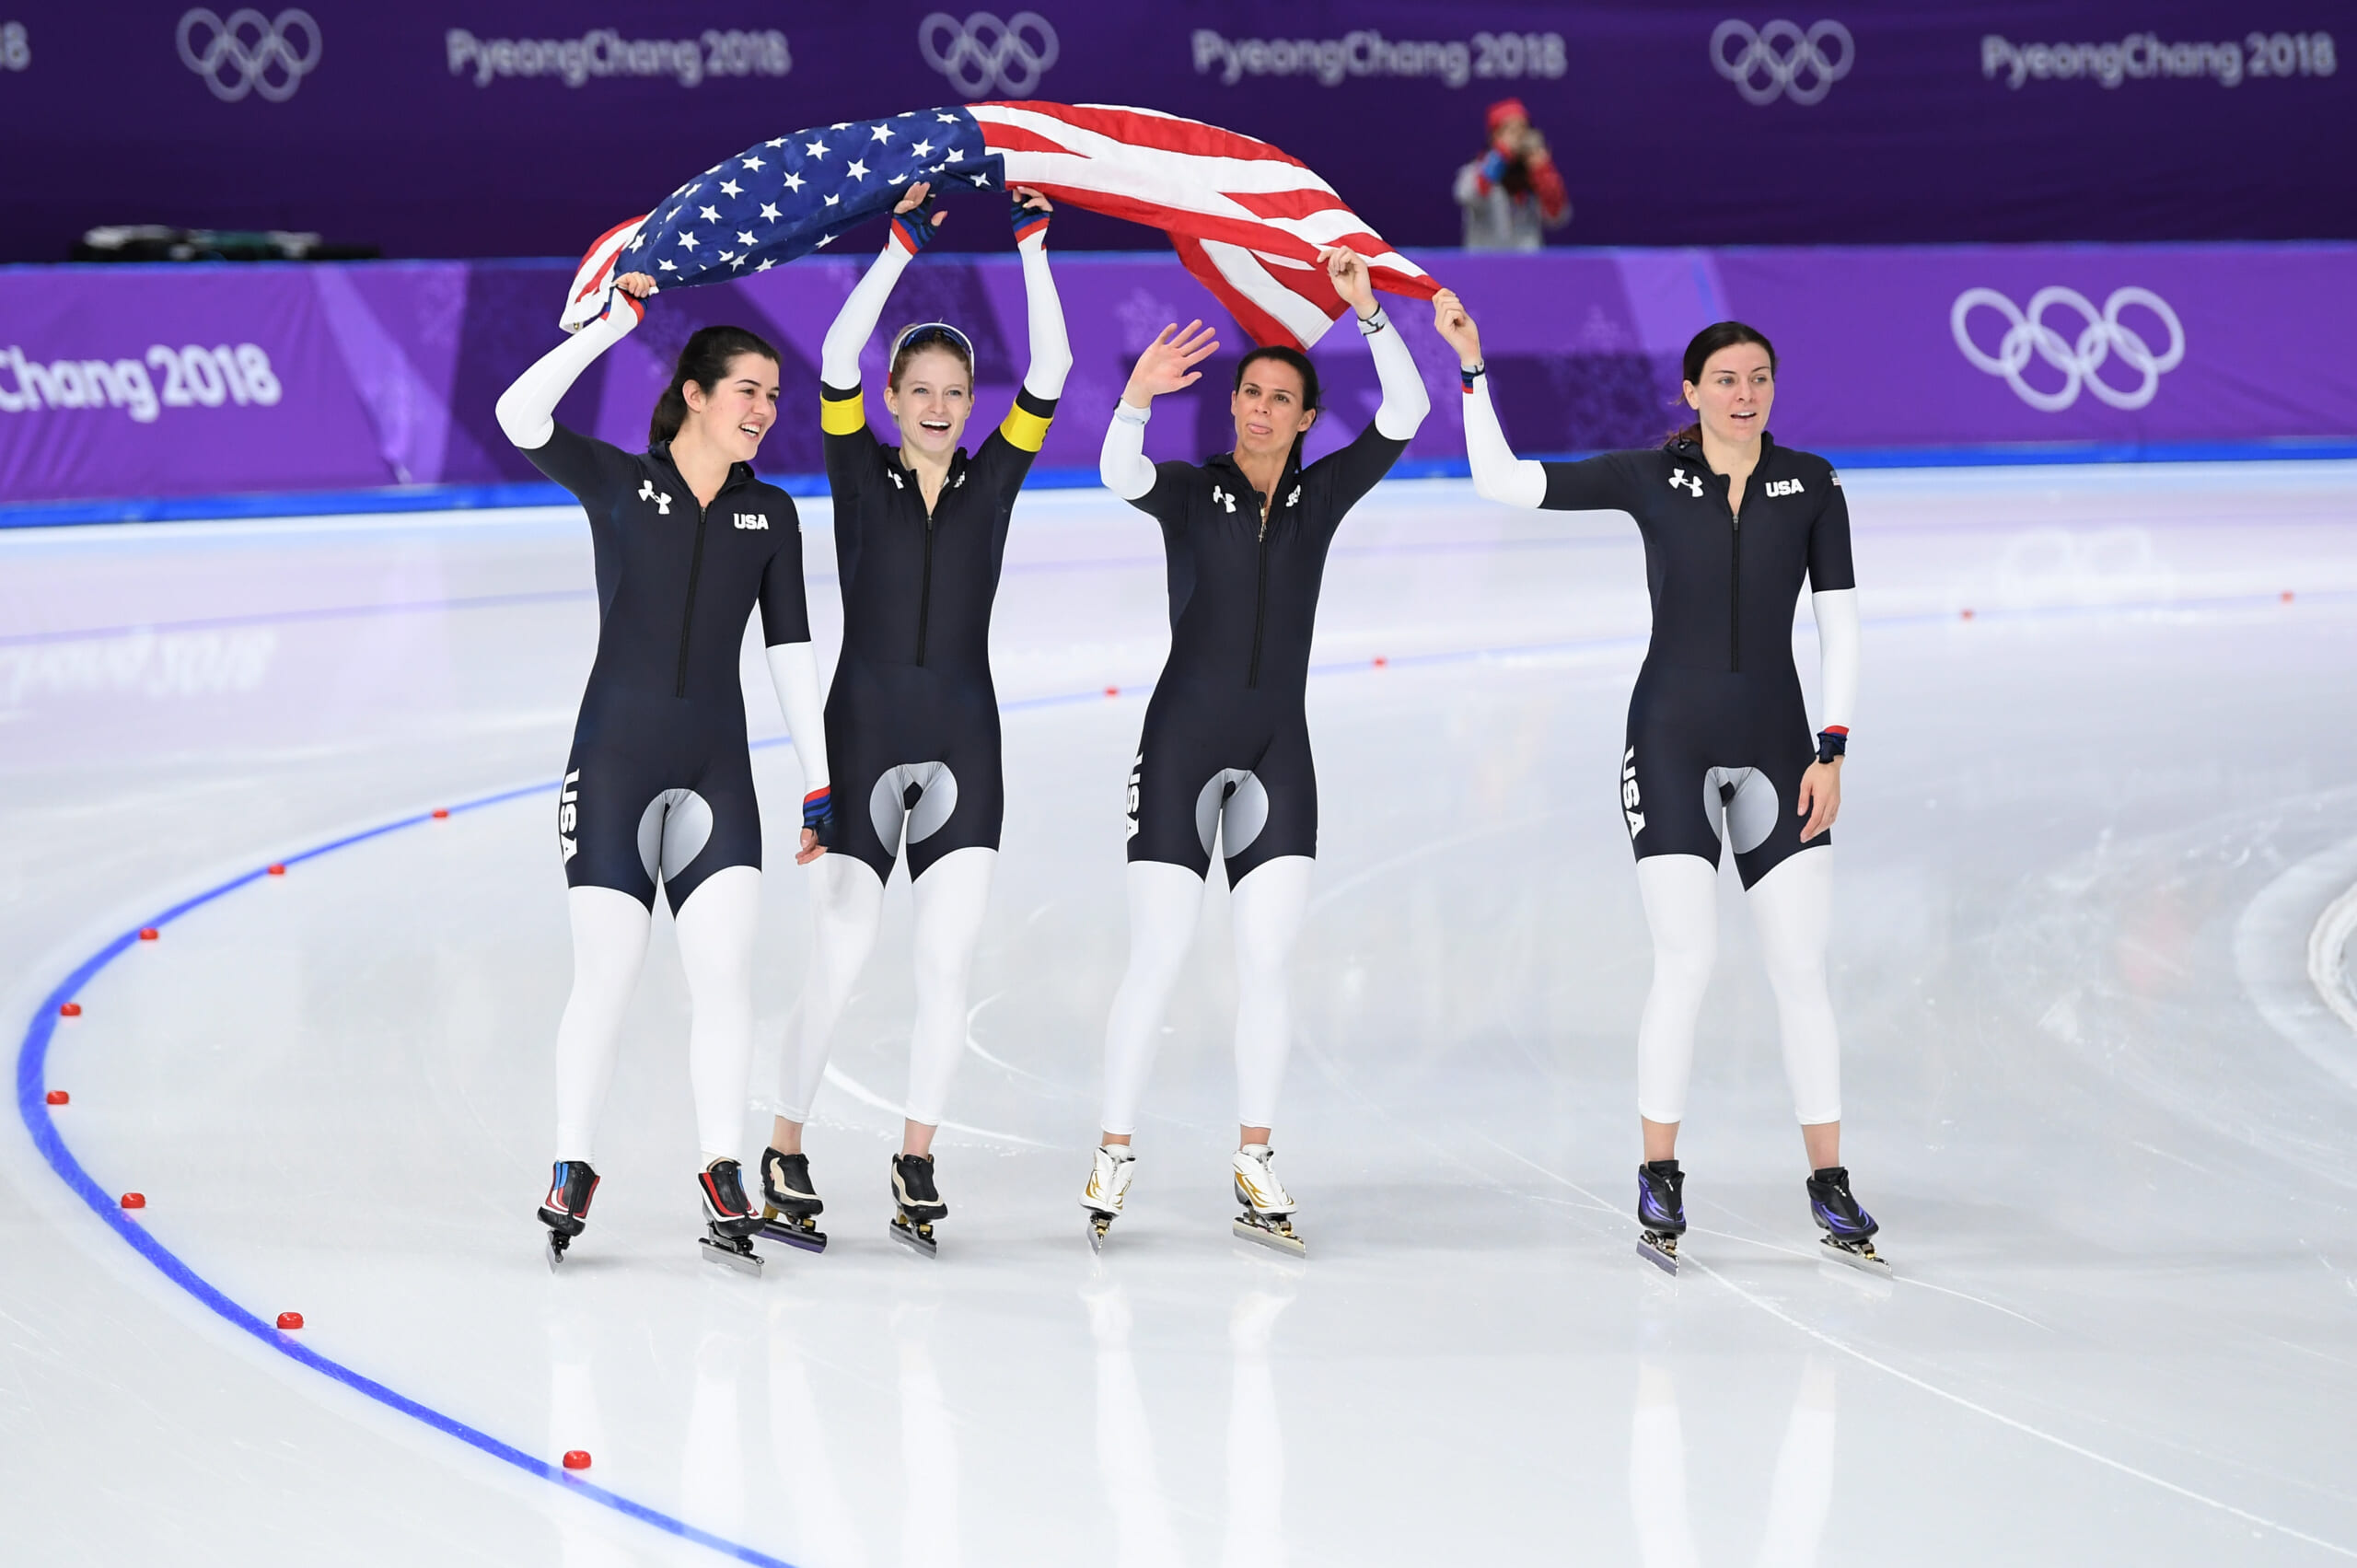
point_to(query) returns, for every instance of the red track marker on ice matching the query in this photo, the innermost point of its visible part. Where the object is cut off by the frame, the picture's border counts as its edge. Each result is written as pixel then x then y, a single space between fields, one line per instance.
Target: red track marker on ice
pixel 2287 596
pixel 576 1459
pixel 1380 661
pixel 1968 615
pixel 276 869
pixel 290 1320
pixel 441 813
pixel 1113 691
pixel 134 1200
pixel 69 1009
pixel 147 934
pixel 59 1096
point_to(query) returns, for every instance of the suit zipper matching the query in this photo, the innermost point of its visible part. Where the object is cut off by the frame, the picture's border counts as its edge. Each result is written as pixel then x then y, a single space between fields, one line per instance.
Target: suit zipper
pixel 924 589
pixel 1261 608
pixel 687 610
pixel 1735 591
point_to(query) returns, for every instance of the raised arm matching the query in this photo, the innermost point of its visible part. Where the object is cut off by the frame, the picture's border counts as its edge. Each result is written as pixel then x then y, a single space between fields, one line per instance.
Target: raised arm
pixel 1050 349
pixel 1405 402
pixel 527 411
pixel 1498 474
pixel 1167 365
pixel 914 224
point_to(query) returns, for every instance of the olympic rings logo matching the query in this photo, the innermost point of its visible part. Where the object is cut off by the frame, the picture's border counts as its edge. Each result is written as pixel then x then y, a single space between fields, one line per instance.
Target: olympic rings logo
pixel 1782 61
pixel 982 51
pixel 2104 335
pixel 256 52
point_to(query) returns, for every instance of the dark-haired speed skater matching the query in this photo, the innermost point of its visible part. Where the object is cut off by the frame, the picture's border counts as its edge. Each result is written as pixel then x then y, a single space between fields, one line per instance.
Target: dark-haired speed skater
pixel 912 717
pixel 1224 756
pixel 1718 750
pixel 658 790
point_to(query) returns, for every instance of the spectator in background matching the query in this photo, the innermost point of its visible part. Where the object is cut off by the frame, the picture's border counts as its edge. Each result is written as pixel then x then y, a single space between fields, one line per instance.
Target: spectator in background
pixel 1512 192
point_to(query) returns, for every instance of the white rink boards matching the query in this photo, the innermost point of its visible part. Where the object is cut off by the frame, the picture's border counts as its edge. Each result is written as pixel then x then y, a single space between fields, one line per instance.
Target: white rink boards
pixel 2107 1122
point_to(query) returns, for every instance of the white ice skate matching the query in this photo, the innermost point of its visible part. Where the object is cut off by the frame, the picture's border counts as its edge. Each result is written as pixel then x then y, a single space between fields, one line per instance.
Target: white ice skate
pixel 1108 1186
pixel 1268 1207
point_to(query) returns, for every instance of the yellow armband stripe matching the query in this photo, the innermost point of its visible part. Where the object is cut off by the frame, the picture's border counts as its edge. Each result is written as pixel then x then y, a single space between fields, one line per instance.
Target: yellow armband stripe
pixel 842 414
pixel 1026 424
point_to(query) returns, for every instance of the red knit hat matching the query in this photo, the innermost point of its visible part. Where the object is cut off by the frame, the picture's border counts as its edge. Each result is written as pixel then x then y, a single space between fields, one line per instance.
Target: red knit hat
pixel 1506 109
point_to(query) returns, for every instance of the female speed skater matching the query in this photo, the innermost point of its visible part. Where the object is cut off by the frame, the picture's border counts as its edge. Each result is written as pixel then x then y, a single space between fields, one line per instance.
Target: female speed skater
pixel 1225 748
pixel 912 717
pixel 1718 748
pixel 659 786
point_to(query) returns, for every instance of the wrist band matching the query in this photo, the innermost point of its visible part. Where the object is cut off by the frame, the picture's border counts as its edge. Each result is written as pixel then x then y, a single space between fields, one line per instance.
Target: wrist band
pixel 1128 415
pixel 1469 377
pixel 1370 325
pixel 1832 741
pixel 815 806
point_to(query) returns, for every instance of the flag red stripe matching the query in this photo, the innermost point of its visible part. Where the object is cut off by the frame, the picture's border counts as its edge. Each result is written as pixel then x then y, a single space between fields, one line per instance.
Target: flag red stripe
pixel 1157 132
pixel 1002 138
pixel 1288 204
pixel 1263 328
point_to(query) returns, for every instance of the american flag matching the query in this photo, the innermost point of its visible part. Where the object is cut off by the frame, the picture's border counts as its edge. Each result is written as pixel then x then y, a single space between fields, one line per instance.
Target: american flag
pixel 1246 219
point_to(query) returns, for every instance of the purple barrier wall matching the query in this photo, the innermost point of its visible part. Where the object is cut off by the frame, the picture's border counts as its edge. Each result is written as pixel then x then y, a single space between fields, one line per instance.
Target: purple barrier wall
pixel 165 381
pixel 528 127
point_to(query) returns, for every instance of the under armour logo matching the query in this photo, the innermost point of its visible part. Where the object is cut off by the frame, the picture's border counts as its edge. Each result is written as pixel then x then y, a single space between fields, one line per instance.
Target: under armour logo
pixel 1294 496
pixel 1678 480
pixel 647 492
pixel 896 482
pixel 1222 498
pixel 1632 803
pixel 960 481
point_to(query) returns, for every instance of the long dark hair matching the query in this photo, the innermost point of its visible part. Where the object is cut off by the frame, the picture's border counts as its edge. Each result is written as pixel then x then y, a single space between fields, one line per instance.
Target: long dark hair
pixel 1313 397
pixel 1708 342
pixel 704 361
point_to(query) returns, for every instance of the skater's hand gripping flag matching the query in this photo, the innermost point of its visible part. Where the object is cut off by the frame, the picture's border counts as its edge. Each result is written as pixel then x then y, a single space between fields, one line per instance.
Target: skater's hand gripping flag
pixel 1248 221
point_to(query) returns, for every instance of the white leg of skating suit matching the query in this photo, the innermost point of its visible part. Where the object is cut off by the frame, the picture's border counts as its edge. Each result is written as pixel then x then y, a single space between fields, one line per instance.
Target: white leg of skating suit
pixel 1255 1442
pixel 712 1462
pixel 609 932
pixel 951 898
pixel 1793 907
pixel 824 1528
pixel 1801 1498
pixel 847 902
pixel 1142 1533
pixel 1658 1467
pixel 928 1447
pixel 1266 908
pixel 717 927
pixel 1681 897
pixel 1165 902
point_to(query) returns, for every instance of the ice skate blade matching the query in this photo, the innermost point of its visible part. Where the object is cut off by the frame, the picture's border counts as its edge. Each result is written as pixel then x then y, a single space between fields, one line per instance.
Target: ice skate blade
pixel 741 1257
pixel 1860 1255
pixel 1659 1251
pixel 806 1236
pixel 553 1251
pixel 918 1237
pixel 1266 1233
pixel 1097 1226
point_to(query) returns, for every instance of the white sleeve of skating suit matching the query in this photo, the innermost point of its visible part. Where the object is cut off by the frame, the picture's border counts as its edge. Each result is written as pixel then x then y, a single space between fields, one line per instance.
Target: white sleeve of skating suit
pixel 1405 402
pixel 527 411
pixel 1837 640
pixel 1498 474
pixel 1050 349
pixel 794 669
pixel 855 322
pixel 1122 464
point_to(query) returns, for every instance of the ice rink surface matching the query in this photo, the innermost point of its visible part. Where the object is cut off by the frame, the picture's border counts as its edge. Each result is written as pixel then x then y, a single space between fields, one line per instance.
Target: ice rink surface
pixel 2093 1090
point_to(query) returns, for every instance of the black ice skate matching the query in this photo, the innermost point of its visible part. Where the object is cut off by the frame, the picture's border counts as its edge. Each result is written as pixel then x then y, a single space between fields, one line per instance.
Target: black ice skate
pixel 1268 1207
pixel 1849 1229
pixel 789 1206
pixel 1661 1213
pixel 729 1217
pixel 918 1202
pixel 565 1211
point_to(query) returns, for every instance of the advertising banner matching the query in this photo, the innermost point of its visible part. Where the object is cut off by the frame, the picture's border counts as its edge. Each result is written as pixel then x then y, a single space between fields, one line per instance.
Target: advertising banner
pixel 471 128
pixel 228 379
